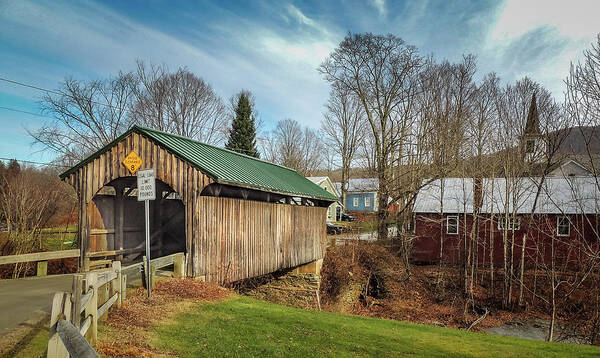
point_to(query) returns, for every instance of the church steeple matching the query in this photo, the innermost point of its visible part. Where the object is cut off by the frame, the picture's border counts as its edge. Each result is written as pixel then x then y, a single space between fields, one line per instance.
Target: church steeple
pixel 532 126
pixel 532 146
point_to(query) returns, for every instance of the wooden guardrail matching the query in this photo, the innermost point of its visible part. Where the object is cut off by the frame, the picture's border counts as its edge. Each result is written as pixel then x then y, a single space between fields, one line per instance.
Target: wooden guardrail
pixel 177 260
pixel 93 294
pixel 41 258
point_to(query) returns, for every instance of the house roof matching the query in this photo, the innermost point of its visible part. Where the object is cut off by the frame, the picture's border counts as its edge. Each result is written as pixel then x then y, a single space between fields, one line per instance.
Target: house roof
pixel 225 166
pixel 317 180
pixel 359 185
pixel 573 195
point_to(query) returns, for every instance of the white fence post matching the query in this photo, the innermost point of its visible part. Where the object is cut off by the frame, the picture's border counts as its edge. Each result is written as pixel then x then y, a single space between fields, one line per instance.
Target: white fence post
pixel 91 309
pixel 61 309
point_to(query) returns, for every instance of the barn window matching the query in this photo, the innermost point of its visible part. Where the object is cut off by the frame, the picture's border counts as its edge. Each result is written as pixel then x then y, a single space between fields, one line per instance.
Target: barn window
pixel 367 201
pixel 452 225
pixel 563 226
pixel 355 201
pixel 514 223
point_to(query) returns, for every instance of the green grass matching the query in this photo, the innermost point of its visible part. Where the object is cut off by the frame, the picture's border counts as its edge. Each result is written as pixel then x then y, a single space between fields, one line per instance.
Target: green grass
pixel 54 238
pixel 34 344
pixel 245 327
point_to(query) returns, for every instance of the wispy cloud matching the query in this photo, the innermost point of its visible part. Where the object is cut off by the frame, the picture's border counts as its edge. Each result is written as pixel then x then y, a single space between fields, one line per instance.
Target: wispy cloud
pixel 539 39
pixel 380 6
pixel 273 49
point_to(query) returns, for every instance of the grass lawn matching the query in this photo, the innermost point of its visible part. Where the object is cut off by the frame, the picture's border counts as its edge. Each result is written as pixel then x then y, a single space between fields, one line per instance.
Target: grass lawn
pixel 32 345
pixel 245 327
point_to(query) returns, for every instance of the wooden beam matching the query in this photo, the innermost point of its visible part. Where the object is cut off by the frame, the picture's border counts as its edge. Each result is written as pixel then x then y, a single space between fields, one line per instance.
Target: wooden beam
pixel 39 256
pixel 115 252
pixel 118 219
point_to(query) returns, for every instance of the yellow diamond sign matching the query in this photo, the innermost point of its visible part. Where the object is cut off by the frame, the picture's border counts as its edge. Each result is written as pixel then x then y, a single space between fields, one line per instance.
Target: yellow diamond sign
pixel 133 162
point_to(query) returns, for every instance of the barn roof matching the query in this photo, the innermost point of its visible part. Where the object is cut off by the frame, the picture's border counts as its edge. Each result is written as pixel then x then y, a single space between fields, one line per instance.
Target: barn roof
pixel 225 166
pixel 458 196
pixel 572 195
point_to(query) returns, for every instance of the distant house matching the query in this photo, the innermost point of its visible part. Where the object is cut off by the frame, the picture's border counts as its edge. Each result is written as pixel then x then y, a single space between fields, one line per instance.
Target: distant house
pixel 361 194
pixel 335 208
pixel 569 168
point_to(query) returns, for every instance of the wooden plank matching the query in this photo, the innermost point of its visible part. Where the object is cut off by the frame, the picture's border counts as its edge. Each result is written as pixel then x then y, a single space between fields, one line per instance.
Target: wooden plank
pixel 56 349
pixel 91 308
pixel 42 268
pixel 161 262
pixel 85 299
pixel 115 252
pixel 104 277
pixel 39 256
pixel 132 270
pixel 87 322
pixel 77 299
pixel 108 304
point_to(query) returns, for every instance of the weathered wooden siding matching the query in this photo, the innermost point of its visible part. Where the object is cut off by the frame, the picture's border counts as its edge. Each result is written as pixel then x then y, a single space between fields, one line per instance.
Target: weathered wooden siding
pixel 226 239
pixel 240 239
pixel 185 179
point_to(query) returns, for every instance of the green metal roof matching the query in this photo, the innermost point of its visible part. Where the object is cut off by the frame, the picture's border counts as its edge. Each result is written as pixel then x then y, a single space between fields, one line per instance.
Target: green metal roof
pixel 225 166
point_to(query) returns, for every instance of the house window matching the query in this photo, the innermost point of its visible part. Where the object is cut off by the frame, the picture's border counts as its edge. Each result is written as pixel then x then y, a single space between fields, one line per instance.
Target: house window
pixel 452 225
pixel 530 146
pixel 514 223
pixel 367 201
pixel 563 226
pixel 355 202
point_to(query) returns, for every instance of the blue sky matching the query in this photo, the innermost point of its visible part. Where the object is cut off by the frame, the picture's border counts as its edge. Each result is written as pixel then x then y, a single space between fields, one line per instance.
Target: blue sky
pixel 270 48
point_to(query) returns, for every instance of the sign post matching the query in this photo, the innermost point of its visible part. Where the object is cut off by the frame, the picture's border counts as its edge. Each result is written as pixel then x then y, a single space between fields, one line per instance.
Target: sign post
pixel 146 192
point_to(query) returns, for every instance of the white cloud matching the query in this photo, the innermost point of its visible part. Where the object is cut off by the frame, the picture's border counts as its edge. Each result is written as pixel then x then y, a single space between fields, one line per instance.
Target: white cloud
pixel 575 19
pixel 539 39
pixel 88 40
pixel 380 6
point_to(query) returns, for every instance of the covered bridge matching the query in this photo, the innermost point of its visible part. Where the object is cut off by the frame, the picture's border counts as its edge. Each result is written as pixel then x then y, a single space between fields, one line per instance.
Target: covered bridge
pixel 234 216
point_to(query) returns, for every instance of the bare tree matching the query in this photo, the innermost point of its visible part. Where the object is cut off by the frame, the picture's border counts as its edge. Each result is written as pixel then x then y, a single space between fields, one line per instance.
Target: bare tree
pixel 294 147
pixel 88 115
pixel 28 199
pixel 379 71
pixel 344 126
pixel 179 102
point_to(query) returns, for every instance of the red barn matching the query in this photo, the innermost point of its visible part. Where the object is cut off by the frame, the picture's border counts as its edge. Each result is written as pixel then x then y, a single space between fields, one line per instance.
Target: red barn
pixel 559 213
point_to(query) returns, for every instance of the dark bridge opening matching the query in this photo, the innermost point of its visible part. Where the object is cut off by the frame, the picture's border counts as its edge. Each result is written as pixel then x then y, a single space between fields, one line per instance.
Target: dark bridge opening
pixel 117 222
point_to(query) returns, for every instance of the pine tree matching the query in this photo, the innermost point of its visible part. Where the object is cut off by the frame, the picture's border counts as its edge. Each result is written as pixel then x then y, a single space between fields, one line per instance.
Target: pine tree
pixel 242 138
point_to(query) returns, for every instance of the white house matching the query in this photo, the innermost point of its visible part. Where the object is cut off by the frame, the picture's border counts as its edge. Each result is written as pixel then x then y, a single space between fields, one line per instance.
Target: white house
pixel 336 208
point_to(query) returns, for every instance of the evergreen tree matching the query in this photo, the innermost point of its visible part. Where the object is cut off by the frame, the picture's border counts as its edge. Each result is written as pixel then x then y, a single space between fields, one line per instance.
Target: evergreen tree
pixel 242 138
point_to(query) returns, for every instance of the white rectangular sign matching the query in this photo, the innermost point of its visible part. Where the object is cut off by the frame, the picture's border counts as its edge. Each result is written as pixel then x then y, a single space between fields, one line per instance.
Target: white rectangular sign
pixel 145 184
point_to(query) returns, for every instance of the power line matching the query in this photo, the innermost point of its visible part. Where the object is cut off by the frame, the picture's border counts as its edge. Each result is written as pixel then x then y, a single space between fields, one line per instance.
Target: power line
pixel 26 112
pixel 28 85
pixel 36 163
pixel 58 93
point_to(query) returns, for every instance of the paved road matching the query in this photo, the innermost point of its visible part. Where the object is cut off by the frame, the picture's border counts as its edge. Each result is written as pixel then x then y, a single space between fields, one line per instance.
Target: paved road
pixel 26 299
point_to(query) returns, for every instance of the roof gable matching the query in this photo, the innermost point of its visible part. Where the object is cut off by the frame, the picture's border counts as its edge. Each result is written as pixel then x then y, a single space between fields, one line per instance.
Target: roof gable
pixel 225 166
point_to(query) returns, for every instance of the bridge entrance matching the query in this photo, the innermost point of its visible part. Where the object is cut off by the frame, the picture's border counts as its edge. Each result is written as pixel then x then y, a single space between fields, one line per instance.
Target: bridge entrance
pixel 116 221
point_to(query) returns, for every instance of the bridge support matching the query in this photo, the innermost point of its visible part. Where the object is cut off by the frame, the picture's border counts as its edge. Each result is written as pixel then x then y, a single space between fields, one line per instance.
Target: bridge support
pixel 313 267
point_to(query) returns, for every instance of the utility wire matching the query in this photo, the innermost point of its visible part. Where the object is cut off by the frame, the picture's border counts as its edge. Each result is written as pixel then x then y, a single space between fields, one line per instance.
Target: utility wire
pixel 37 163
pixel 26 112
pixel 58 93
